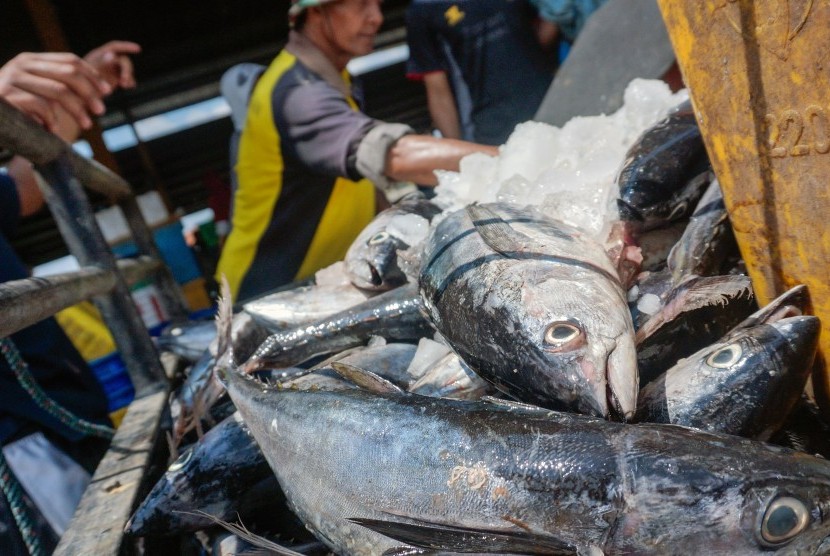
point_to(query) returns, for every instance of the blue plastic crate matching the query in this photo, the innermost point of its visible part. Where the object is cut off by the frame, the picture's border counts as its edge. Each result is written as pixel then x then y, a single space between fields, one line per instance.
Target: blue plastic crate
pixel 111 372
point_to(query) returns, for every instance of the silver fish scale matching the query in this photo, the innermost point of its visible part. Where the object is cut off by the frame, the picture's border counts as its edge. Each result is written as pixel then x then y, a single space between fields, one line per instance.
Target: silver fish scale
pixel 587 482
pixel 405 459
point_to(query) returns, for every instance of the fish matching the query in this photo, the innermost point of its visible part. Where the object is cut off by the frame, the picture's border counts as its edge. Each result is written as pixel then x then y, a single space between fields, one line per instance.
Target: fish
pixel 372 261
pixel 395 315
pixel 707 241
pixel 744 385
pixel 390 361
pixel 200 391
pixel 696 314
pixel 222 474
pixel 303 304
pixel 371 473
pixel 189 340
pixel 656 245
pixel 664 172
pixel 533 306
pixel 806 430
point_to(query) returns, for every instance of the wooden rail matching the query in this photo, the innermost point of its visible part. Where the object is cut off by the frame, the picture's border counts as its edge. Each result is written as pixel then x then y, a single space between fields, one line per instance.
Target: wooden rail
pixel 98 525
pixel 22 136
pixel 25 302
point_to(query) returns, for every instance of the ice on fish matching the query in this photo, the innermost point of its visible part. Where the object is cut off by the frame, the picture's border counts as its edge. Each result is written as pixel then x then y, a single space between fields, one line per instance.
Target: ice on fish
pixel 410 228
pixel 649 304
pixel 428 352
pixel 332 275
pixel 569 171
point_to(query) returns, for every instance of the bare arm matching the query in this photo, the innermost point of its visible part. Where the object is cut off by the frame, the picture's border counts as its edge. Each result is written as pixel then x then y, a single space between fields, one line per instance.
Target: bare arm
pixel 31 199
pixel 547 33
pixel 415 157
pixel 441 103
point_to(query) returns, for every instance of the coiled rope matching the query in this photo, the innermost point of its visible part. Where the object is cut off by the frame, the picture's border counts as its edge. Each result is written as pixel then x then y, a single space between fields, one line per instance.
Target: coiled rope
pixel 8 482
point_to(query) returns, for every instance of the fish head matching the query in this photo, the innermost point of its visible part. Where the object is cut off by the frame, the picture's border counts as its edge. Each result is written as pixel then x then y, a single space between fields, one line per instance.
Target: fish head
pixel 580 339
pixel 745 384
pixel 789 515
pixel 166 509
pixel 372 260
pixel 647 205
pixel 692 492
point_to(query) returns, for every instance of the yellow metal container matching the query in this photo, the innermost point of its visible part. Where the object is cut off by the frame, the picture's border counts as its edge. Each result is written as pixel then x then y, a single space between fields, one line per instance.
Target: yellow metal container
pixel 758 76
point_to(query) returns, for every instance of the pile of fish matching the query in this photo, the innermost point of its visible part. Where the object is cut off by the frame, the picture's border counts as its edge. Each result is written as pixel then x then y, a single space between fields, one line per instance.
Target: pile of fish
pixel 492 379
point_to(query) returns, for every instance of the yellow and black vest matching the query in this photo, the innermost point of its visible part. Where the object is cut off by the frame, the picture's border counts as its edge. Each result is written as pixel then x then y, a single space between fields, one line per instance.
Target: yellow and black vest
pixel 300 202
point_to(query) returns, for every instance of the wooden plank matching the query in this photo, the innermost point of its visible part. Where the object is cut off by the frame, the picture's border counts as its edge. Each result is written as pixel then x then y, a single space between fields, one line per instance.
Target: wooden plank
pixel 98 524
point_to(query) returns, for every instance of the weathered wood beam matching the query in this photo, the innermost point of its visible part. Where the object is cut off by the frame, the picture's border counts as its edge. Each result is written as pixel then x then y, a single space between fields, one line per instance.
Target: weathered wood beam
pixel 98 524
pixel 25 302
pixel 21 135
pixel 76 222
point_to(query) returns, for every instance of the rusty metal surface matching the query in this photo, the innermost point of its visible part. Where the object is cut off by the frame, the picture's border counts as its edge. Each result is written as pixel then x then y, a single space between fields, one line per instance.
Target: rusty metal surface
pixel 758 77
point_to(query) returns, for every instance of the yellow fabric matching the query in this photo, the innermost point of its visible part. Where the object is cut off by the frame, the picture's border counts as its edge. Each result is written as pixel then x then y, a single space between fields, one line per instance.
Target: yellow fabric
pixel 85 327
pixel 260 172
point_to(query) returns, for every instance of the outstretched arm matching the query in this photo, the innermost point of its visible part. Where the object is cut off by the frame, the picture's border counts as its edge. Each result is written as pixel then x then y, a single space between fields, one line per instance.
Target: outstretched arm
pixel 415 157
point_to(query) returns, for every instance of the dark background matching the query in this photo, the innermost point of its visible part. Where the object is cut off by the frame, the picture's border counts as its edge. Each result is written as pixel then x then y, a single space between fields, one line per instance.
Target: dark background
pixel 187 45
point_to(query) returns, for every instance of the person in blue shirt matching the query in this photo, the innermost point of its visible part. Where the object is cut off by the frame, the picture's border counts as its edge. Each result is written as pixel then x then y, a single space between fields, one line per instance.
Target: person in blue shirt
pixel 568 15
pixel 62 92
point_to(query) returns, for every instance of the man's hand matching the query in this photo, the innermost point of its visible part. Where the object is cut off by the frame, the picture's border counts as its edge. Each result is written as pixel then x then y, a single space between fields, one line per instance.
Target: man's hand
pixel 40 84
pixel 112 60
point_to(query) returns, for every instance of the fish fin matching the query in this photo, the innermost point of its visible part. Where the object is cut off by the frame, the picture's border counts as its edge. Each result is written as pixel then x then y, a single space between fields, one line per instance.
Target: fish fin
pixel 242 532
pixel 224 324
pixel 365 379
pixel 499 236
pixel 513 404
pixel 447 538
pixel 407 551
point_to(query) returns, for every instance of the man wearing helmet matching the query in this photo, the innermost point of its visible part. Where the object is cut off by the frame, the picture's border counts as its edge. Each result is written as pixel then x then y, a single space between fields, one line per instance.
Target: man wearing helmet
pixel 309 160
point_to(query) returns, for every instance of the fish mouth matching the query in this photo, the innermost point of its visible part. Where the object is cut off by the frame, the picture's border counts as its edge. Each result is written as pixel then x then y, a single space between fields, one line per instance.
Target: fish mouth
pixel 375 278
pixel 629 213
pixel 622 381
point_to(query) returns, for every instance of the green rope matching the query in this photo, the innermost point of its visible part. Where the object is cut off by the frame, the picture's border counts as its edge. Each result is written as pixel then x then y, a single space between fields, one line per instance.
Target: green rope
pixel 27 381
pixel 14 495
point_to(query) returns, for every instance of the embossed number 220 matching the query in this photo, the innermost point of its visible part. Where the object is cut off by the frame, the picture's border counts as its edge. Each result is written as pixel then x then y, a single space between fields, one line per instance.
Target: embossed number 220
pixel 786 131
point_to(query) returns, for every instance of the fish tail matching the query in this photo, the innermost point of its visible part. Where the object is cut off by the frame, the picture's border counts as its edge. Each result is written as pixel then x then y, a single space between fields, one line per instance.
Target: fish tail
pixel 224 324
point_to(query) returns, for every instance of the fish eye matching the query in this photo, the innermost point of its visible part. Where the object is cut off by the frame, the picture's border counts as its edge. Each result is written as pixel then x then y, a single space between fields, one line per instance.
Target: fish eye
pixel 379 237
pixel 181 462
pixel 559 334
pixel 725 357
pixel 785 518
pixel 678 210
